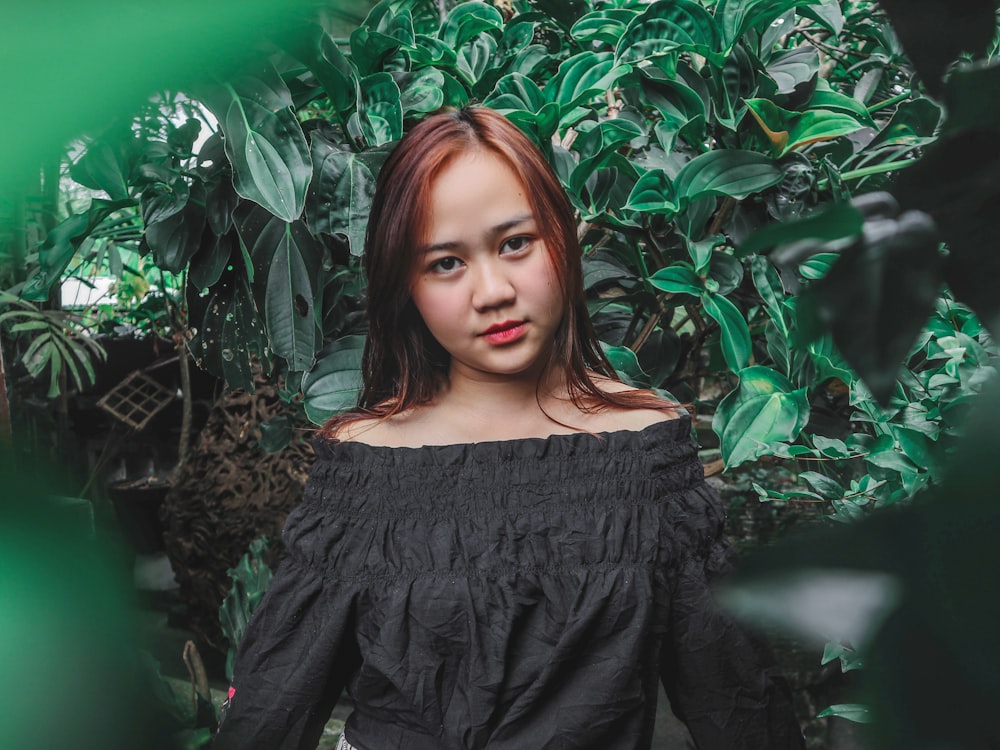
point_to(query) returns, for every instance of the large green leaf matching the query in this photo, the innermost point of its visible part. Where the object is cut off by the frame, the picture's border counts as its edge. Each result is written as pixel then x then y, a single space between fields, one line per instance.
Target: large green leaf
pixel 288 304
pixel 229 336
pixel 913 121
pixel 467 21
pixel 736 17
pixel 668 27
pixel 654 194
pixel 421 91
pixel 164 199
pixel 310 43
pixel 678 280
pixel 788 131
pixel 516 92
pixel 334 383
pixel 62 242
pixel 626 364
pixel 583 76
pixel 735 81
pixel 387 28
pixel 380 110
pixel 106 164
pixel 727 172
pixel 176 239
pixel 824 97
pixel 263 139
pixel 794 70
pixel 476 57
pixel 597 144
pixel 603 26
pixel 764 408
pixel 733 330
pixel 341 193
pixel 827 14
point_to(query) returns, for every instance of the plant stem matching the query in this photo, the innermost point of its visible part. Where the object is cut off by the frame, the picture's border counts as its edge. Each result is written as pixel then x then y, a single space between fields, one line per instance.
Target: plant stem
pixel 857 174
pixel 889 102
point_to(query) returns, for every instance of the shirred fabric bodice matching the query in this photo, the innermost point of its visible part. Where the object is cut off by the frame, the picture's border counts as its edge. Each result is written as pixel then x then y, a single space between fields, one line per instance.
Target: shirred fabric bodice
pixel 511 594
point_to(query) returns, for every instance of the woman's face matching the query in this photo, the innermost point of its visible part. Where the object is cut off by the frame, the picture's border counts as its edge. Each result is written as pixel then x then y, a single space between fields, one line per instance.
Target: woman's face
pixel 485 285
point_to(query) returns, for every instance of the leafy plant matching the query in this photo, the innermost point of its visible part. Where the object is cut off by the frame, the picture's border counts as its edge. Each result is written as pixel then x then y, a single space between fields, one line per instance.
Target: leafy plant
pixel 55 344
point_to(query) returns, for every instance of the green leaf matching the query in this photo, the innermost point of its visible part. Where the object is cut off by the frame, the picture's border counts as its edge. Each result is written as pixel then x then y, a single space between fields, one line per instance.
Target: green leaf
pixel 421 91
pixel 653 193
pixel 669 27
pixel 735 81
pixel 263 140
pixel 230 338
pixel 276 434
pixel 176 239
pixel 380 111
pixel 288 305
pixel 735 335
pixel 105 165
pixel 827 14
pixel 334 383
pixel 762 409
pixel 340 197
pixel 678 280
pixel 385 30
pixel 736 17
pixel 164 200
pixel 596 145
pixel 469 20
pixel 833 223
pixel 310 43
pixel 211 260
pixel 824 97
pixel 516 92
pixel 726 172
pixel 626 364
pixel 856 712
pixel 726 271
pixel 477 57
pixel 794 69
pixel 829 488
pixel 62 242
pixel 603 26
pixel 788 131
pixel 583 76
pixel 771 291
pixel 913 122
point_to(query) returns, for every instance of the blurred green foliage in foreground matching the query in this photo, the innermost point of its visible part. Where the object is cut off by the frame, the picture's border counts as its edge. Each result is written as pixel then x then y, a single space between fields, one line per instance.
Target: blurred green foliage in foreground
pixel 70 67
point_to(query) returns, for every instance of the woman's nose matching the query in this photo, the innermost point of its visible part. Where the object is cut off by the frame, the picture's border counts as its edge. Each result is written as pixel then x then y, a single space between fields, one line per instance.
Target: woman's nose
pixel 493 287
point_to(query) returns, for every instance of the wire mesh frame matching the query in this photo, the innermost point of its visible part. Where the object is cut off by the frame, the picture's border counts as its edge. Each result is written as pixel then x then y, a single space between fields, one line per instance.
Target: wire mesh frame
pixel 136 400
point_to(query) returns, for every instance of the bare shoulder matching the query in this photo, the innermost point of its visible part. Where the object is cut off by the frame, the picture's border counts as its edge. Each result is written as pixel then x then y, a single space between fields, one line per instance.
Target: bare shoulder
pixel 396 431
pixel 364 430
pixel 615 418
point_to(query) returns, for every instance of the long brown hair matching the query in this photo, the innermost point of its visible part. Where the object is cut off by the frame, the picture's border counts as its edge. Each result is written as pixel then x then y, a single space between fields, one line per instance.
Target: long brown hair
pixel 403 365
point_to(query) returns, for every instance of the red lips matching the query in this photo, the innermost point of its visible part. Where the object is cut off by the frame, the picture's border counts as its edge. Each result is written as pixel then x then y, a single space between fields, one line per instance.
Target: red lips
pixel 504 333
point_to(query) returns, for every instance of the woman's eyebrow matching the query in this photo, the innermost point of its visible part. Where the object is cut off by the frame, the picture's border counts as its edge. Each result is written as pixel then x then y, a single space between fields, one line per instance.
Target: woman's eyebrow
pixel 491 232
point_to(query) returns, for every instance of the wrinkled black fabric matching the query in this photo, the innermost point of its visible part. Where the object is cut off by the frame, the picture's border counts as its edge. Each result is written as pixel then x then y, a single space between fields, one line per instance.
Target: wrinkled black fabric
pixel 522 594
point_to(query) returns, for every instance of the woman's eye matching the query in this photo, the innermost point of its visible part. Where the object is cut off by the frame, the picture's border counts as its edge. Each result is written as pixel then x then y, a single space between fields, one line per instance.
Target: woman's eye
pixel 445 265
pixel 515 244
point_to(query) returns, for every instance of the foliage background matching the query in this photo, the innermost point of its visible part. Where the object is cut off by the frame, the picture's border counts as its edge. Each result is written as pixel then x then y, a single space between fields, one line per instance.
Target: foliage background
pixel 785 205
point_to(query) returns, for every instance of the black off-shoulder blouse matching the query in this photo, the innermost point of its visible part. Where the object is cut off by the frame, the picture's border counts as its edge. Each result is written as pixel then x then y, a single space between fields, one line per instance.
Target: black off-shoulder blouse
pixel 511 595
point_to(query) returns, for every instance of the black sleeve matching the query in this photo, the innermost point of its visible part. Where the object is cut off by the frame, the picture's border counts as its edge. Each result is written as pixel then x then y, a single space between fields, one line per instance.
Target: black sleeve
pixel 722 682
pixel 297 654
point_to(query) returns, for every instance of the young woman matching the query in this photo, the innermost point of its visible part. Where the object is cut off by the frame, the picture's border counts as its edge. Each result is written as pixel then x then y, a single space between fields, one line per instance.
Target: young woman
pixel 503 546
